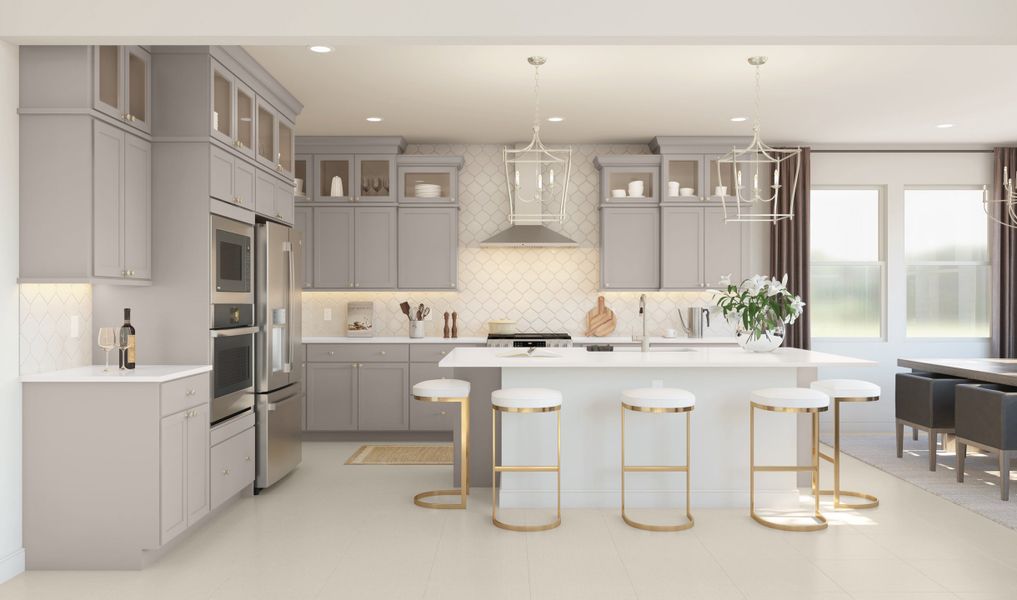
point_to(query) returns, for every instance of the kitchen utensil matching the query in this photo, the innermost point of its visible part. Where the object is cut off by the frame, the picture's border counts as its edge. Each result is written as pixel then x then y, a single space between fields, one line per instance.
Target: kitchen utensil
pixel 337 187
pixel 502 326
pixel 455 324
pixel 687 192
pixel 720 190
pixel 446 330
pixel 636 188
pixel 694 328
pixel 618 193
pixel 673 188
pixel 416 329
pixel 420 313
pixel 600 321
pixel 405 307
pixel 427 311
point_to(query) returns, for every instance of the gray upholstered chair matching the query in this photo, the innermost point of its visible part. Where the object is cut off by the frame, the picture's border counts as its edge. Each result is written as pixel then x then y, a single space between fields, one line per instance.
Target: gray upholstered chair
pixel 925 401
pixel 986 417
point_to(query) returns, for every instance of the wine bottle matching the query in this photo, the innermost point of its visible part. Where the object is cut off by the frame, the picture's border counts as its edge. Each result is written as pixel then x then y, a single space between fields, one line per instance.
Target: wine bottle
pixel 127 342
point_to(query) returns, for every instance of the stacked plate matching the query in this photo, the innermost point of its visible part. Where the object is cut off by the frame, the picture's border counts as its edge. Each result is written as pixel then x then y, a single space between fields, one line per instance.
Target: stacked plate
pixel 426 190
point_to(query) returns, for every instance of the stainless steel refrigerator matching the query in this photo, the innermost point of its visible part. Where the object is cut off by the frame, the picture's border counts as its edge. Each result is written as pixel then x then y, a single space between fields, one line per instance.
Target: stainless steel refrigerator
pixel 279 361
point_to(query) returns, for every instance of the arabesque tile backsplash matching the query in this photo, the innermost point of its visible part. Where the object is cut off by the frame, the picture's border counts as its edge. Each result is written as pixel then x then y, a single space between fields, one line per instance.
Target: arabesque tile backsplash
pixel 47 310
pixel 543 289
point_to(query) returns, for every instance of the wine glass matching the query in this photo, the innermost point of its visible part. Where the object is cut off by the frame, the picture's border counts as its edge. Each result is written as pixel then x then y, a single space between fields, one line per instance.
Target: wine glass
pixel 123 338
pixel 107 341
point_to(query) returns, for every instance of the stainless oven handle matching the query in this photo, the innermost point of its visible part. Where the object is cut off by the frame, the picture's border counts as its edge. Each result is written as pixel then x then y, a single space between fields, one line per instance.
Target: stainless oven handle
pixel 217 333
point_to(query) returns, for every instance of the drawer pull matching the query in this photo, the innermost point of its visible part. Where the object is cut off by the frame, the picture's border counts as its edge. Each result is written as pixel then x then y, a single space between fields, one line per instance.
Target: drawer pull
pixel 382 353
pixel 331 353
pixel 191 392
pixel 226 471
pixel 247 459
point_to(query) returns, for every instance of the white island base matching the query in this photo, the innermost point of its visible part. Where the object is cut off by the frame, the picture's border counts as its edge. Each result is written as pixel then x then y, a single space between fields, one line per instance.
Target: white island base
pixel 591 383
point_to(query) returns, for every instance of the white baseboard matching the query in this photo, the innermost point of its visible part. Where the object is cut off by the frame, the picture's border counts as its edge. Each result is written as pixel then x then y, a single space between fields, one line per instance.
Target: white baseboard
pixel 647 498
pixel 13 564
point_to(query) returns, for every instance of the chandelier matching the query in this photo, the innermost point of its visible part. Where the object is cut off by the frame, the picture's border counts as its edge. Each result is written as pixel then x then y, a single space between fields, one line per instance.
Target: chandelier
pixel 753 200
pixel 537 176
pixel 1007 203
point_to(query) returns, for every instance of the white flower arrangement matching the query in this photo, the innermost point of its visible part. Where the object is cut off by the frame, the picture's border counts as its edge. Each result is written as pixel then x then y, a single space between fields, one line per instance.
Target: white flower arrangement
pixel 759 303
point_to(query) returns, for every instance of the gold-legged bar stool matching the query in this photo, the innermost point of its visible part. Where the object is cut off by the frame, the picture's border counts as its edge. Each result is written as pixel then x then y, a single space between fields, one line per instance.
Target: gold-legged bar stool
pixel 839 391
pixel 523 400
pixel 659 400
pixel 795 401
pixel 458 392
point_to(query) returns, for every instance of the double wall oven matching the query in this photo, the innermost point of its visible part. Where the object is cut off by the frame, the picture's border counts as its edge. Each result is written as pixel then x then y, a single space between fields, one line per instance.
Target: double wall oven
pixel 233 325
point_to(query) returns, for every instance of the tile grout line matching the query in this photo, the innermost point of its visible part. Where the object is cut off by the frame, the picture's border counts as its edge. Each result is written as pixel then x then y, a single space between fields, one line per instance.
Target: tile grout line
pixel 434 557
pixel 621 559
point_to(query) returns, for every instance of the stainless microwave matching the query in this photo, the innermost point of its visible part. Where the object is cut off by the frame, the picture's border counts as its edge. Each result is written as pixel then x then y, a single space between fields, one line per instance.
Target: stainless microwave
pixel 232 261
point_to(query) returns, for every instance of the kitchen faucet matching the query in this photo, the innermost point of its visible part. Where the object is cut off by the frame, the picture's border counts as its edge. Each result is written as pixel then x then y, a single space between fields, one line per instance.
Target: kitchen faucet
pixel 644 343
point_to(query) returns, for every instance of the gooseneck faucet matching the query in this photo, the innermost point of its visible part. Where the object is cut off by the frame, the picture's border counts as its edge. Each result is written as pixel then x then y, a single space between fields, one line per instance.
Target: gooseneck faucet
pixel 644 342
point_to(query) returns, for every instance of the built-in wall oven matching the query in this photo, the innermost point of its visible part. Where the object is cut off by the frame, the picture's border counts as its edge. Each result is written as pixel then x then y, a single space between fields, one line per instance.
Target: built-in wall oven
pixel 232 261
pixel 233 332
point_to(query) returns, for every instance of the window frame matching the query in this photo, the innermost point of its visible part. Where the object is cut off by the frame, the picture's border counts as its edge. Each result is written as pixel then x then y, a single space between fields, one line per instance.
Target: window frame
pixel 881 261
pixel 949 263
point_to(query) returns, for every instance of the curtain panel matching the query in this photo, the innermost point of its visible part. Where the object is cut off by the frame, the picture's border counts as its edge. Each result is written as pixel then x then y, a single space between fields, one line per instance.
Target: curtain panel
pixel 789 248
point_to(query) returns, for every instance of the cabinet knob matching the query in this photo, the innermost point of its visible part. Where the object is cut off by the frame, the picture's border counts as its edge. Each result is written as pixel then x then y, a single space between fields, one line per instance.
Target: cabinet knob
pixel 331 353
pixel 123 273
pixel 226 471
pixel 191 392
pixel 443 353
pixel 442 412
pixel 247 459
pixel 125 116
pixel 382 353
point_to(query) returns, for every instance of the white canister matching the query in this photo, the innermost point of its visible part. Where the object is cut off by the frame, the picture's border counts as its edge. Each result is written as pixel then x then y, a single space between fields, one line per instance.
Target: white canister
pixel 298 186
pixel 673 188
pixel 416 329
pixel 720 190
pixel 636 188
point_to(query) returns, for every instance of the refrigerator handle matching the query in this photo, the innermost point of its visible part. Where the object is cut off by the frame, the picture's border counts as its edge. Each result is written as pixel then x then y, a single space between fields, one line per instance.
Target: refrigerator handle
pixel 288 249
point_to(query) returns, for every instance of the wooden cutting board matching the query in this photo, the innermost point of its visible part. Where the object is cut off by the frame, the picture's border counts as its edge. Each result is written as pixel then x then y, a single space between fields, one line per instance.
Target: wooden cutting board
pixel 600 321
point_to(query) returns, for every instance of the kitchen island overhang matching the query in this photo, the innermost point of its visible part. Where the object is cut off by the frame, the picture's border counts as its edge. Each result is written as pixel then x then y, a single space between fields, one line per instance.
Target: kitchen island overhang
pixel 592 382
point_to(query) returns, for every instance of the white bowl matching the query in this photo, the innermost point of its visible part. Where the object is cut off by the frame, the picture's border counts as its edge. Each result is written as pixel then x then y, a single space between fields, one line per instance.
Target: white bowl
pixel 618 193
pixel 687 192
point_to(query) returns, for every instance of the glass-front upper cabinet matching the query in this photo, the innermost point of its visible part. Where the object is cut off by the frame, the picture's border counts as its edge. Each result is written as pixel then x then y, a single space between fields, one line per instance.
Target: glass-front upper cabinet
pixel 284 150
pixel 723 178
pixel 223 88
pixel 303 177
pixel 629 179
pixel 244 124
pixel 435 181
pixel 682 177
pixel 332 173
pixel 375 178
pixel 266 131
pixel 122 83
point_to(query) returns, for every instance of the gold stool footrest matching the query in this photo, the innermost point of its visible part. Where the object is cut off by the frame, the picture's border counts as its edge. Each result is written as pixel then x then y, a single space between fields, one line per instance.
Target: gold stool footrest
pixel 873 501
pixel 419 499
pixel 648 527
pixel 510 527
pixel 820 523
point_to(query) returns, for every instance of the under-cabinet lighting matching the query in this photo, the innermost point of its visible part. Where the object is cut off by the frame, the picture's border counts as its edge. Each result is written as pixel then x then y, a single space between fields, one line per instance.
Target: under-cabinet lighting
pixel 738 119
pixel 320 49
pixel 556 119
pixel 374 119
pixel 944 125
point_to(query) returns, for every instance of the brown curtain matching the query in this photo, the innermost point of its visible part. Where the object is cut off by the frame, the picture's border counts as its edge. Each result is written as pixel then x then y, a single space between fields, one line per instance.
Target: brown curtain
pixel 1004 247
pixel 789 248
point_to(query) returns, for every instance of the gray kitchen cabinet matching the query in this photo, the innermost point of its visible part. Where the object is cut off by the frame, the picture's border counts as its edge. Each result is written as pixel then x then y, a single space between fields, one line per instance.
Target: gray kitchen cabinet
pixel 327 167
pixel 375 247
pixel 681 247
pixel 231 178
pixel 428 248
pixel 331 402
pixel 284 202
pixel 267 143
pixel 435 170
pixel 303 222
pixel 122 204
pixel 617 172
pixel 333 247
pixel 431 416
pixel 273 198
pixel 382 393
pixel 231 466
pixel 724 247
pixel 184 465
pixel 122 84
pixel 303 174
pixel 630 248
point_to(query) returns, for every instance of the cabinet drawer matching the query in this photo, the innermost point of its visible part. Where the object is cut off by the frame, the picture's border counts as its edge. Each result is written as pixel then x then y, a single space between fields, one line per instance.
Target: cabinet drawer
pixel 227 429
pixel 433 353
pixel 185 393
pixel 232 466
pixel 358 353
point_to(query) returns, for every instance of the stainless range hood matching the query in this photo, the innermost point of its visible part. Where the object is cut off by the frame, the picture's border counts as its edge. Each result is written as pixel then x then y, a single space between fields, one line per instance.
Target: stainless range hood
pixel 528 236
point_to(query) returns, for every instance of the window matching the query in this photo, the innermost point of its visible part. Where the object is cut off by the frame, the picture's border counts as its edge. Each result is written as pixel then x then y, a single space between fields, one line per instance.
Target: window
pixel 846 254
pixel 946 249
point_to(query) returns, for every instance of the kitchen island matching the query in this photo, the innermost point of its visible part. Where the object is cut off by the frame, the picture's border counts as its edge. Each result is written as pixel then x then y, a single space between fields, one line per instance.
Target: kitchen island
pixel 592 382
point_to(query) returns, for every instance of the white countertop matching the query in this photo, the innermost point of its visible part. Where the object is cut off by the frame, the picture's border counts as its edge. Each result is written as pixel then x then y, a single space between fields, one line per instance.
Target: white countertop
pixel 659 341
pixel 96 374
pixel 692 358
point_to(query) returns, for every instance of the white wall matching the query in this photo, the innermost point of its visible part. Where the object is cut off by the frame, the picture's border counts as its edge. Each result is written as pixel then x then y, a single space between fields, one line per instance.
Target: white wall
pixel 895 171
pixel 12 555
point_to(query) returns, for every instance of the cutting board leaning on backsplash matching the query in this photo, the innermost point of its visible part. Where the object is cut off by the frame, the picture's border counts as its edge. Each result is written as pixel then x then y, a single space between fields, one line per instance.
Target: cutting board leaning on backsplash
pixel 600 321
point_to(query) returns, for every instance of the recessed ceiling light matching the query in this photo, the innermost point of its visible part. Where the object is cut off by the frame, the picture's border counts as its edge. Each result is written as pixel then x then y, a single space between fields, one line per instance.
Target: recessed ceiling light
pixel 556 119
pixel 320 49
pixel 738 119
pixel 945 125
pixel 374 119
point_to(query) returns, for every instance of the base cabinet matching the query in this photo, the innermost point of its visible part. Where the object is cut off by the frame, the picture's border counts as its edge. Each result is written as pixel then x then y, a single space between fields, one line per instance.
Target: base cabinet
pixel 331 397
pixel 184 470
pixel 232 467
pixel 382 397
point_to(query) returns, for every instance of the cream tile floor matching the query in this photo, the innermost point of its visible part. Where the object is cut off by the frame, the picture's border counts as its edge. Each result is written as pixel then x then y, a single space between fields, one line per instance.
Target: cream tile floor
pixel 333 531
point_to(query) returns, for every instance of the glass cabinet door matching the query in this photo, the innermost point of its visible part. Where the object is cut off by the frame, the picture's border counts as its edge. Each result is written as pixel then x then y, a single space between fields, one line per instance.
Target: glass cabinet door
pixel 138 82
pixel 303 178
pixel 108 80
pixel 375 178
pixel 222 103
pixel 284 153
pixel 630 185
pixel 332 172
pixel 722 179
pixel 245 119
pixel 427 184
pixel 682 178
pixel 267 143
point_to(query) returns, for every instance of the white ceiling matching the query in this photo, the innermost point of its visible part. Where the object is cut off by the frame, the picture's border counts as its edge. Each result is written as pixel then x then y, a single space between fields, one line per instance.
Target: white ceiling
pixel 812 94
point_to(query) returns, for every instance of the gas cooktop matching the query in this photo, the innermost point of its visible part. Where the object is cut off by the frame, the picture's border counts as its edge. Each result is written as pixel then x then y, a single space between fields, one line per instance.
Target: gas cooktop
pixel 529 339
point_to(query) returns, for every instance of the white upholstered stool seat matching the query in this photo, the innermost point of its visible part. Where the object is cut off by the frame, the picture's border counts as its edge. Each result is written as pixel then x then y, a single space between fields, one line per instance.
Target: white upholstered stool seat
pixel 442 388
pixel 658 399
pixel 846 388
pixel 526 398
pixel 790 399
